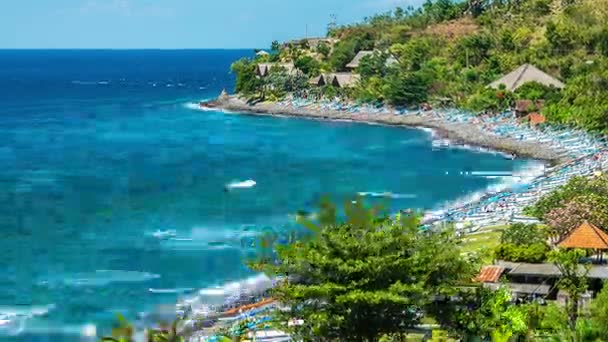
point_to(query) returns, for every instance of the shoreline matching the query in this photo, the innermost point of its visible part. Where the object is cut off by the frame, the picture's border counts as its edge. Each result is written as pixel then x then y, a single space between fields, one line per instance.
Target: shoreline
pixel 455 132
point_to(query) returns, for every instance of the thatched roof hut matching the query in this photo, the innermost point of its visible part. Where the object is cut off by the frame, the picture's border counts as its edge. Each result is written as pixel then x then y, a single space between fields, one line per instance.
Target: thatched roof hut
pixel 263 69
pixel 320 80
pixel 262 53
pixel 526 73
pixel 355 62
pixel 344 79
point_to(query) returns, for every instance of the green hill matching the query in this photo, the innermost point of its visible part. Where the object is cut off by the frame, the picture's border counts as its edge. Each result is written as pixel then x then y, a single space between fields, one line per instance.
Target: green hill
pixel 453 50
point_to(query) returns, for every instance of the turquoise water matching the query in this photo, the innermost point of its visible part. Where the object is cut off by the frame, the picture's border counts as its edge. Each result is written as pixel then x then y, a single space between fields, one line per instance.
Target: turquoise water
pixel 100 149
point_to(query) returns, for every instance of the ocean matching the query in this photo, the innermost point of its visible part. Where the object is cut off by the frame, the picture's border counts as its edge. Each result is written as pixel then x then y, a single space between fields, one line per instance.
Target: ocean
pixel 100 150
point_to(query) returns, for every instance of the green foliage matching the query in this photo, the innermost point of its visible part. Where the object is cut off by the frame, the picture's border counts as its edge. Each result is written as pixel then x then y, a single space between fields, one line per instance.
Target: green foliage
pixel 405 88
pixel 599 313
pixel 374 65
pixel 576 187
pixel 536 91
pixel 308 65
pixel 365 277
pixel 522 243
pixel 323 49
pixel 486 315
pixel 246 79
pixel 569 41
pixel 573 278
pixel 533 253
pixel 523 234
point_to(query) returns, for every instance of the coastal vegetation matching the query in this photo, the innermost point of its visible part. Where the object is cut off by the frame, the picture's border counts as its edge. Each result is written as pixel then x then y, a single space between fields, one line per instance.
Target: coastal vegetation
pixel 360 275
pixel 450 51
pixel 375 278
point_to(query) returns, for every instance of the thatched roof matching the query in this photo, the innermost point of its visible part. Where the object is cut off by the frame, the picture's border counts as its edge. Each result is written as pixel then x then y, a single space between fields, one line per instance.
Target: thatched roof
pixel 343 79
pixel 263 69
pixel 312 42
pixel 585 236
pixel 390 61
pixel 320 80
pixel 262 53
pixel 526 73
pixel 355 62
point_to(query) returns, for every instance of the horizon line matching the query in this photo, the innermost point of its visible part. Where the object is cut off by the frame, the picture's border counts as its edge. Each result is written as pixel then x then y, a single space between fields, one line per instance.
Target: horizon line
pixel 129 49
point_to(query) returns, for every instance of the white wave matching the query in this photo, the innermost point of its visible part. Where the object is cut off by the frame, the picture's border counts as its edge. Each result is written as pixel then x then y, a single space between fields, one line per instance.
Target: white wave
pixel 164 234
pixel 508 181
pixel 177 290
pixel 430 131
pixel 13 318
pixel 386 195
pixel 100 278
pixel 228 293
pixel 197 106
pixel 250 183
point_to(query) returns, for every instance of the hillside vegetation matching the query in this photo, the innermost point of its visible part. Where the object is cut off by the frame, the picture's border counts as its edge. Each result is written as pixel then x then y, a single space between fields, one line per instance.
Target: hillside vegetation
pixel 452 50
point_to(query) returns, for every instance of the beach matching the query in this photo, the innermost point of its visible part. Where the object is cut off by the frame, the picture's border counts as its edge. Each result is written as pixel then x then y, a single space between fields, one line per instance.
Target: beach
pixel 455 132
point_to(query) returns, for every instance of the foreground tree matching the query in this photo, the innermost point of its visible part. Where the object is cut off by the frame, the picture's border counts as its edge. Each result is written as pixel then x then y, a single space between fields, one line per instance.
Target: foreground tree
pixel 366 277
pixel 573 279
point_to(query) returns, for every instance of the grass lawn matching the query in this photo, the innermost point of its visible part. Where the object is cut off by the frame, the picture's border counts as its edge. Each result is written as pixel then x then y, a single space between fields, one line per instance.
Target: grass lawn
pixel 483 242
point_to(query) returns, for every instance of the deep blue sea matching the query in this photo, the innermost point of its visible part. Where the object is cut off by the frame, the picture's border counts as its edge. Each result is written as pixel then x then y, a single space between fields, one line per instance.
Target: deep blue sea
pixel 100 149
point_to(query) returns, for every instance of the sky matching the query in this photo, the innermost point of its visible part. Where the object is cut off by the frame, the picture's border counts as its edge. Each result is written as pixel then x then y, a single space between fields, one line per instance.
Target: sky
pixel 174 24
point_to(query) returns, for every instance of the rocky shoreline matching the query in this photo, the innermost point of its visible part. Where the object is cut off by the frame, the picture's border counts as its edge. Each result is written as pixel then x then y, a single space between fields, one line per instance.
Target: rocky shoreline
pixel 459 133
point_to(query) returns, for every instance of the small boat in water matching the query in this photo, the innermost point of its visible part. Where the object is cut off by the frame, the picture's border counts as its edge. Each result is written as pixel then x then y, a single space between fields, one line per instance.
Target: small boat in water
pixel 164 234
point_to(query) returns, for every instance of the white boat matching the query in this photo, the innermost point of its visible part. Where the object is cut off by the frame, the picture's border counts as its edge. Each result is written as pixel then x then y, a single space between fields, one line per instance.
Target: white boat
pixel 164 234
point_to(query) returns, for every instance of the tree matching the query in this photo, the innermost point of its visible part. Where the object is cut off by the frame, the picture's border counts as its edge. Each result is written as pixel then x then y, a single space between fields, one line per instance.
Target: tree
pixel 323 49
pixel 405 88
pixel 573 279
pixel 522 234
pixel 343 53
pixel 246 78
pixel 484 315
pixel 599 313
pixel 275 46
pixel 365 277
pixel 592 208
pixel 308 65
pixel 577 186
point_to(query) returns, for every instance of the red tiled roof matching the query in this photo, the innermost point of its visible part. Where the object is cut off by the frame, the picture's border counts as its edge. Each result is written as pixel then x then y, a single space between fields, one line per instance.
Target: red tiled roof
pixel 489 274
pixel 586 236
pixel 536 118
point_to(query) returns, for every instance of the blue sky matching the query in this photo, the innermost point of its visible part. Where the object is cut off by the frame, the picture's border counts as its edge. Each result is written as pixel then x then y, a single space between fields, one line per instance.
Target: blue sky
pixel 169 24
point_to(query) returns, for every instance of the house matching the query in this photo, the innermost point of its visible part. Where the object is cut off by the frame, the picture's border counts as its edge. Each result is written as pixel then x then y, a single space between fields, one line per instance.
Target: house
pixel 523 74
pixel 354 64
pixel 586 236
pixel 535 118
pixel 526 280
pixel 343 79
pixel 313 43
pixel 263 69
pixel 320 80
pixel 525 107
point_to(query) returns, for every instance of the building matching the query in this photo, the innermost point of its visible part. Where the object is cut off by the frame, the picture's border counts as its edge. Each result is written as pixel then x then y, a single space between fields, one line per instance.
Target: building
pixel 526 280
pixel 263 69
pixel 343 79
pixel 320 80
pixel 524 74
pixel 262 53
pixel 312 43
pixel 354 64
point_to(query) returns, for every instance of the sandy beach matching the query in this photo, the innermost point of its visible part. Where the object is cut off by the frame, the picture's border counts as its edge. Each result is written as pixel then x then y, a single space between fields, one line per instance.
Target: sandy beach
pixel 460 133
